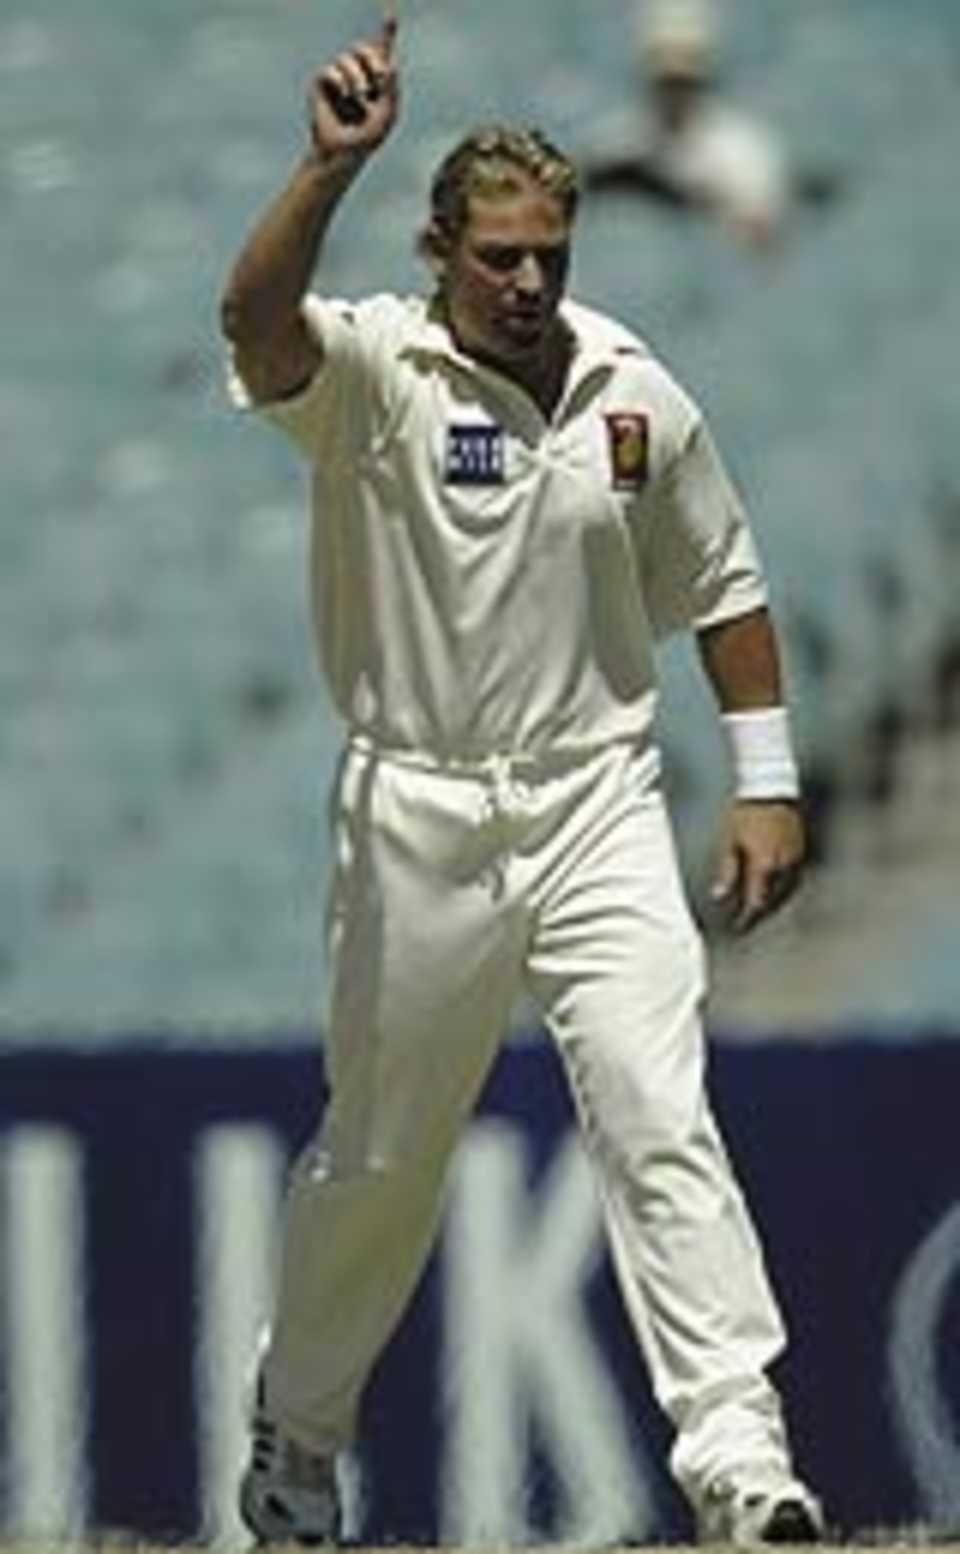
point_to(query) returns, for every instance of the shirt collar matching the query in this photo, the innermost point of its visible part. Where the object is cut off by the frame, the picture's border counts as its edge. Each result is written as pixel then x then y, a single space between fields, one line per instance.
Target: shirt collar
pixel 599 342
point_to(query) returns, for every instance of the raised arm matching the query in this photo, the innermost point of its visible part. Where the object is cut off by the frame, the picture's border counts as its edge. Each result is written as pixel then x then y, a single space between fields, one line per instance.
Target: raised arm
pixel 352 106
pixel 763 845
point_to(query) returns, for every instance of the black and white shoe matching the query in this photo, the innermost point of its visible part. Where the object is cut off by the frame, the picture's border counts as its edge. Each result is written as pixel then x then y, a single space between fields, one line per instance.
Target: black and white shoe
pixel 288 1495
pixel 750 1515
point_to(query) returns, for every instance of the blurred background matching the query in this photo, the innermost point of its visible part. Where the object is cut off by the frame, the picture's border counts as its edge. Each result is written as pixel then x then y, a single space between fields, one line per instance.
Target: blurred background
pixel 165 741
pixel 165 745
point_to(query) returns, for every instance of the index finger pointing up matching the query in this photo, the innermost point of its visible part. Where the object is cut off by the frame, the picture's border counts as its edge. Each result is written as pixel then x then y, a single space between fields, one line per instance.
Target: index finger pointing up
pixel 388 32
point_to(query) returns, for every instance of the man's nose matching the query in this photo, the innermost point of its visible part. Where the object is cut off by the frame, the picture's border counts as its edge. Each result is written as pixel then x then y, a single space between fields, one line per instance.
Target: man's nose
pixel 529 276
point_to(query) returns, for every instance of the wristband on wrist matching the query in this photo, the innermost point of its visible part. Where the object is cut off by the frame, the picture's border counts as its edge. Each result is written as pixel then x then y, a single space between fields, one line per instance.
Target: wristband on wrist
pixel 761 753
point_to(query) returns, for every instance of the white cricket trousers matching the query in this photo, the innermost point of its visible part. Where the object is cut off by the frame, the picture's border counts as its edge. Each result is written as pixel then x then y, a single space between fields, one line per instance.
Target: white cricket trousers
pixel 454 892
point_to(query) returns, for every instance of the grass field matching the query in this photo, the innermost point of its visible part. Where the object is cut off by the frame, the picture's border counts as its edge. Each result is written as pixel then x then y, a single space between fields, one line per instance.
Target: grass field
pixel 910 1541
pixel 121 1547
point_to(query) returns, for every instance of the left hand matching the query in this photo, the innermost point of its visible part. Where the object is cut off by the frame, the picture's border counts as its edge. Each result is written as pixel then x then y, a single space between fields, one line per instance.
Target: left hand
pixel 761 860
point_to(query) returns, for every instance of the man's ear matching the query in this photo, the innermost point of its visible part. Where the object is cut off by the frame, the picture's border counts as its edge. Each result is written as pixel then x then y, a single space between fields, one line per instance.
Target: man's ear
pixel 433 246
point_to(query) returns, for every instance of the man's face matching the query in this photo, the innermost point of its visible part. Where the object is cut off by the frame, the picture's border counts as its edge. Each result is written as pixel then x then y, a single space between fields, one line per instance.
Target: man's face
pixel 506 275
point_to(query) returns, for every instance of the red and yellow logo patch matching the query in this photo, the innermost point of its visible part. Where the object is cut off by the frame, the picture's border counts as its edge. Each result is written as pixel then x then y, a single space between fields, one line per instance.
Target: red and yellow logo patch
pixel 628 437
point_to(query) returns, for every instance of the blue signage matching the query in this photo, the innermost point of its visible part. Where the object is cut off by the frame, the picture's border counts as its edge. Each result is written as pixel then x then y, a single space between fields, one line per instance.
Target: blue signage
pixel 141 1191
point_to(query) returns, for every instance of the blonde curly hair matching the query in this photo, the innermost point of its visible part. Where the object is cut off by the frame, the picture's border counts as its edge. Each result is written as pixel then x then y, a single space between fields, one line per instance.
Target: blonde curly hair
pixel 493 159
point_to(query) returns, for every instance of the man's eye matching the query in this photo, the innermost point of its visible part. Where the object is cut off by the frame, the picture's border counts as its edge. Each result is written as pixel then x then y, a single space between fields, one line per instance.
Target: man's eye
pixel 554 260
pixel 502 259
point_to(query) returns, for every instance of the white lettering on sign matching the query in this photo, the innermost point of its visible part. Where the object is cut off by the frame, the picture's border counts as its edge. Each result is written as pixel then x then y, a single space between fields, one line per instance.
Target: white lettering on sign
pixel 238 1176
pixel 518 1348
pixel 45 1337
pixel 921 1408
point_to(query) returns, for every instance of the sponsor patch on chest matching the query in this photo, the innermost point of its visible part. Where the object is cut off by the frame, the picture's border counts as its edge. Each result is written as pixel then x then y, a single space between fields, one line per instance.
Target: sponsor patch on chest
pixel 474 455
pixel 628 441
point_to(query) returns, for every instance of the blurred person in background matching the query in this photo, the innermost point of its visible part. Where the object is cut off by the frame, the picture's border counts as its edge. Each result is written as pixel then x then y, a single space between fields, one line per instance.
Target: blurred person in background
pixel 511 500
pixel 688 146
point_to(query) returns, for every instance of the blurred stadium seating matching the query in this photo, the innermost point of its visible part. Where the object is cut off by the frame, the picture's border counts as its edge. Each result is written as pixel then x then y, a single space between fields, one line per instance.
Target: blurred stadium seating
pixel 164 747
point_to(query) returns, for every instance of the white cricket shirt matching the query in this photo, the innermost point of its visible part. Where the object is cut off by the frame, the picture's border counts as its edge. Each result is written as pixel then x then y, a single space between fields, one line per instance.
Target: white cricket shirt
pixel 485 580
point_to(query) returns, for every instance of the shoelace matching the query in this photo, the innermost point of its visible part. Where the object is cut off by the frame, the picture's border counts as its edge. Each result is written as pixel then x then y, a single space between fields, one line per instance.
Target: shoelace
pixel 264 1443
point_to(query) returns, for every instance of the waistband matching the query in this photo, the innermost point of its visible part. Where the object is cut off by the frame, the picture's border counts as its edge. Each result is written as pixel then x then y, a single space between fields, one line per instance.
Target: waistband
pixel 524 765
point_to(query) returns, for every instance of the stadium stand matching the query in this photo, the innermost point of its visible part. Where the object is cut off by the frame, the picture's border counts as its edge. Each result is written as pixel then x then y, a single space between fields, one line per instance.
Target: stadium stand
pixel 164 748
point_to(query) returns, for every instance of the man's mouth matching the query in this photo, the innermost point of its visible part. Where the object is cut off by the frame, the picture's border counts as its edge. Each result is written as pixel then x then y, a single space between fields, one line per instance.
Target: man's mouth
pixel 525 321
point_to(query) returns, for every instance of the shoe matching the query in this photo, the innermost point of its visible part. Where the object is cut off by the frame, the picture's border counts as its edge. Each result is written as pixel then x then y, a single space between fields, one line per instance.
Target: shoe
pixel 288 1495
pixel 750 1515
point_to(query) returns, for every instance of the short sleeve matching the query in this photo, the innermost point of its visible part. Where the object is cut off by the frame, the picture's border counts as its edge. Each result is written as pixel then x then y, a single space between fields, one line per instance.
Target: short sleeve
pixel 700 562
pixel 328 413
pixel 744 167
pixel 758 175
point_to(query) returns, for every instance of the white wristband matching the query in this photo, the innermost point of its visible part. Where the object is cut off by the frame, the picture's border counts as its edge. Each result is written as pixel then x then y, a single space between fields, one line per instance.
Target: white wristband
pixel 761 752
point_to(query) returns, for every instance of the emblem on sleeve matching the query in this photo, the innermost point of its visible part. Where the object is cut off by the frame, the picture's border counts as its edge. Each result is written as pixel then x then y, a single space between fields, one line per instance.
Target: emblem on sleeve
pixel 474 456
pixel 628 436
